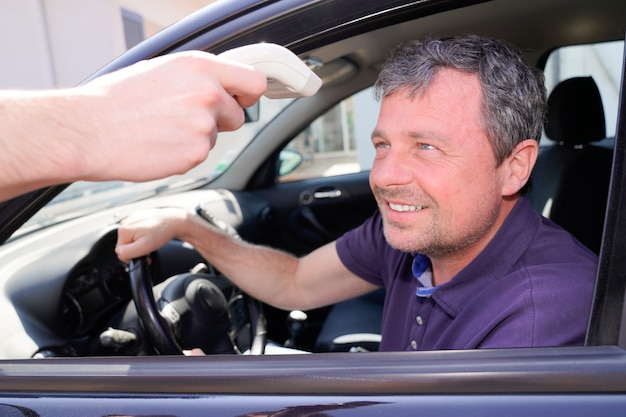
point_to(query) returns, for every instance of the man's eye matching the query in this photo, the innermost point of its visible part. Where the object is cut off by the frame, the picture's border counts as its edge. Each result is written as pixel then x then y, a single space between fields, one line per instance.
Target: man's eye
pixel 381 145
pixel 426 147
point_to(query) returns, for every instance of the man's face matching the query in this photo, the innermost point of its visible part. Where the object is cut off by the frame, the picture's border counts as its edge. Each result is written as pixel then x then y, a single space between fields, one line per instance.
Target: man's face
pixel 434 175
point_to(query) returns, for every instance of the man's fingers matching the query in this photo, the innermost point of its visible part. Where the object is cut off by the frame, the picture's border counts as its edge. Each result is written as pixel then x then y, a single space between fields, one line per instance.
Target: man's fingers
pixel 129 244
pixel 231 86
pixel 120 251
pixel 241 81
pixel 244 85
pixel 132 250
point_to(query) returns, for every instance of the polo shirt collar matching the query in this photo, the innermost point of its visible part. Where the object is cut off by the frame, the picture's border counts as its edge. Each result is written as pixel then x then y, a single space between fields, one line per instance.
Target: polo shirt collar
pixel 422 272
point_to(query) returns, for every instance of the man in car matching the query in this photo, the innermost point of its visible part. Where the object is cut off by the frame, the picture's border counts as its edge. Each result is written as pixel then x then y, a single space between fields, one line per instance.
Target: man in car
pixel 125 125
pixel 465 260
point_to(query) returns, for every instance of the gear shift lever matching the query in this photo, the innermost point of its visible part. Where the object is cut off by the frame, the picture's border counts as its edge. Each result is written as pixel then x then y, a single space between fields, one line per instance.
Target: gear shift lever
pixel 296 322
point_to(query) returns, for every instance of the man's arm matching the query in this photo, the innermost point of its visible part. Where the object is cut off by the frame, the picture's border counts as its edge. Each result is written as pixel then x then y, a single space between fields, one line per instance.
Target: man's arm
pixel 272 276
pixel 153 119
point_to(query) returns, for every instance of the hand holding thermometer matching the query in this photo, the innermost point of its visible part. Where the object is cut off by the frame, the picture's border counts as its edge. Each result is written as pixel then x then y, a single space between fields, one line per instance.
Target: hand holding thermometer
pixel 287 76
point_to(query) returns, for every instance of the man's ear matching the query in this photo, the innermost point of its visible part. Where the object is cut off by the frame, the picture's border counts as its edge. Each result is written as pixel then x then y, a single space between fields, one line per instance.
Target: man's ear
pixel 519 165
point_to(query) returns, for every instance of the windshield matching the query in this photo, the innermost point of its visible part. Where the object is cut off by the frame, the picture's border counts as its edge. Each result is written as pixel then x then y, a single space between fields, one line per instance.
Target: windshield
pixel 84 197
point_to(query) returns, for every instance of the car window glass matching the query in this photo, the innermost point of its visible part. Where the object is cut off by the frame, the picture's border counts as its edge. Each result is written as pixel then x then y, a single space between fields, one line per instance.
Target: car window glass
pixel 601 61
pixel 338 142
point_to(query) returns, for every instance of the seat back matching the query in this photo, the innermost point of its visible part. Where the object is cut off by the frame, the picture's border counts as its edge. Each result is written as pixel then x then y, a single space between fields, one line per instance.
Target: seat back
pixel 571 178
pixel 353 324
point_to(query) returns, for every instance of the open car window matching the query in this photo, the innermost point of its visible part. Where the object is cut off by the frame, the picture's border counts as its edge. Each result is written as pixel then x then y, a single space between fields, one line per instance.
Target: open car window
pixel 601 61
pixel 336 143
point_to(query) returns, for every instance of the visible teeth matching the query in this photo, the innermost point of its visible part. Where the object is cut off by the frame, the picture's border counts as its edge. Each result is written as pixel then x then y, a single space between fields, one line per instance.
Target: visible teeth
pixel 404 207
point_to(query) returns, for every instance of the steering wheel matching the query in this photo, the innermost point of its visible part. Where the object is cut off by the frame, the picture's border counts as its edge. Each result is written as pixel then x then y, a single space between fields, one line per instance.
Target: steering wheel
pixel 201 300
pixel 159 332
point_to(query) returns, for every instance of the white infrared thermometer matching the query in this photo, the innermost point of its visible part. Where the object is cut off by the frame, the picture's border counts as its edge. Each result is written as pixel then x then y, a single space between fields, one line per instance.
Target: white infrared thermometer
pixel 287 76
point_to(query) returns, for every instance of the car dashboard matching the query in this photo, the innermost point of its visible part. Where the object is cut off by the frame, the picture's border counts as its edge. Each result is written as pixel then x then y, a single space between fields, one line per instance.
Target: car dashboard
pixel 63 285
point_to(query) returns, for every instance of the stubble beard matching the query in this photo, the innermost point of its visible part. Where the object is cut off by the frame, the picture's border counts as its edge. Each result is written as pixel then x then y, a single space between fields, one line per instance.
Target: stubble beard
pixel 437 241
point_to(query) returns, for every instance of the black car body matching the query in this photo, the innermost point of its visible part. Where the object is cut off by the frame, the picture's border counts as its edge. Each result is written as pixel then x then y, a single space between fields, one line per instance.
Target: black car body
pixel 72 378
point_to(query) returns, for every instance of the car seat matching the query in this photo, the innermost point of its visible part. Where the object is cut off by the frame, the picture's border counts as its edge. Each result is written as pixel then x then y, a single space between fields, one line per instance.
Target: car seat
pixel 570 180
pixel 353 325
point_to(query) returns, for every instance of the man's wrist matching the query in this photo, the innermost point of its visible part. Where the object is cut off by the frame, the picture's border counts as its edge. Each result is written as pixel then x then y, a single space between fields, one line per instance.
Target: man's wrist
pixel 40 133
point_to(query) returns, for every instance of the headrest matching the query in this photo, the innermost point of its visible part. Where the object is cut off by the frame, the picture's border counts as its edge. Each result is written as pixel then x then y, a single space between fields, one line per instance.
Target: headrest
pixel 575 114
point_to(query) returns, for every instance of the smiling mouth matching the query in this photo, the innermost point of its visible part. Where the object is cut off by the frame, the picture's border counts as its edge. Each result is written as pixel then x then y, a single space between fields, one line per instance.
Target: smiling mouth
pixel 405 207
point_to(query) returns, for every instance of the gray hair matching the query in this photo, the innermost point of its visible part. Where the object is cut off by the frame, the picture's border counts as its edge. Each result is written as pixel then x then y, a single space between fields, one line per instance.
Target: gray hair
pixel 514 95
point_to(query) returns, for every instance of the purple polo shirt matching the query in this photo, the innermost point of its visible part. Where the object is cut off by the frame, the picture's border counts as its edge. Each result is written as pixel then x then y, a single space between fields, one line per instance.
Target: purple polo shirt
pixel 531 286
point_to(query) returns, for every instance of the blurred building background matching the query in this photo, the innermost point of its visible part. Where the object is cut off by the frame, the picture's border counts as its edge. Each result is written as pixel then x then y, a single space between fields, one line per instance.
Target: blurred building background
pixel 59 43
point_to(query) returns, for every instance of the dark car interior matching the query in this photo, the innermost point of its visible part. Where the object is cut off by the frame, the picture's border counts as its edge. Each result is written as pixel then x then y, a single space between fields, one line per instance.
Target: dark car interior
pixel 571 177
pixel 66 294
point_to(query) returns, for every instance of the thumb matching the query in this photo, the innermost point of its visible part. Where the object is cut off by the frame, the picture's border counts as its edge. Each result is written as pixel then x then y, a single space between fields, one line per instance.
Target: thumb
pixel 129 248
pixel 123 253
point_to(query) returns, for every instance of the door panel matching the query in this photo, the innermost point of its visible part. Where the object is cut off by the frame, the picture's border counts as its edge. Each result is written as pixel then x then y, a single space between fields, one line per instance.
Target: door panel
pixel 309 213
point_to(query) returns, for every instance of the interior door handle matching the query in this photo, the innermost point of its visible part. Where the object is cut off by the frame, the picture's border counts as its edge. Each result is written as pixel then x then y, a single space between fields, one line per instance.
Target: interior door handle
pixel 319 195
pixel 308 196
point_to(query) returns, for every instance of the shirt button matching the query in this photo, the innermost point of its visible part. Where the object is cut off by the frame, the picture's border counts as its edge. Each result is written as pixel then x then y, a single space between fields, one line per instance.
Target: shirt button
pixel 419 320
pixel 413 344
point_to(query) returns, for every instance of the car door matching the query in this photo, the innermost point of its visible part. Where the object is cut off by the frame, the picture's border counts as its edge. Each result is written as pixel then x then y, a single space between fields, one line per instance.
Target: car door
pixel 608 317
pixel 311 212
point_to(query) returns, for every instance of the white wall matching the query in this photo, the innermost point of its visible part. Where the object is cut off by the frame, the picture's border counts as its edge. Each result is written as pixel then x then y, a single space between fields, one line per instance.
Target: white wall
pixel 84 35
pixel 24 47
pixel 58 43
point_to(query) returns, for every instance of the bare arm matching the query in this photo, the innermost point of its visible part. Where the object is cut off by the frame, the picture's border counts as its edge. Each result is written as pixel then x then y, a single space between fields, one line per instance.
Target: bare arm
pixel 272 276
pixel 125 125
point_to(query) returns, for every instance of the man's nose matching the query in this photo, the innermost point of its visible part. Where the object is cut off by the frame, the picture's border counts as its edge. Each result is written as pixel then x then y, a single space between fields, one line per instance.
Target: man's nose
pixel 393 169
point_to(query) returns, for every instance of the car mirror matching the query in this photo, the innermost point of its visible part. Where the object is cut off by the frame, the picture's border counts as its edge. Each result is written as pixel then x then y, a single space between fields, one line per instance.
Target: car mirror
pixel 288 161
pixel 252 112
